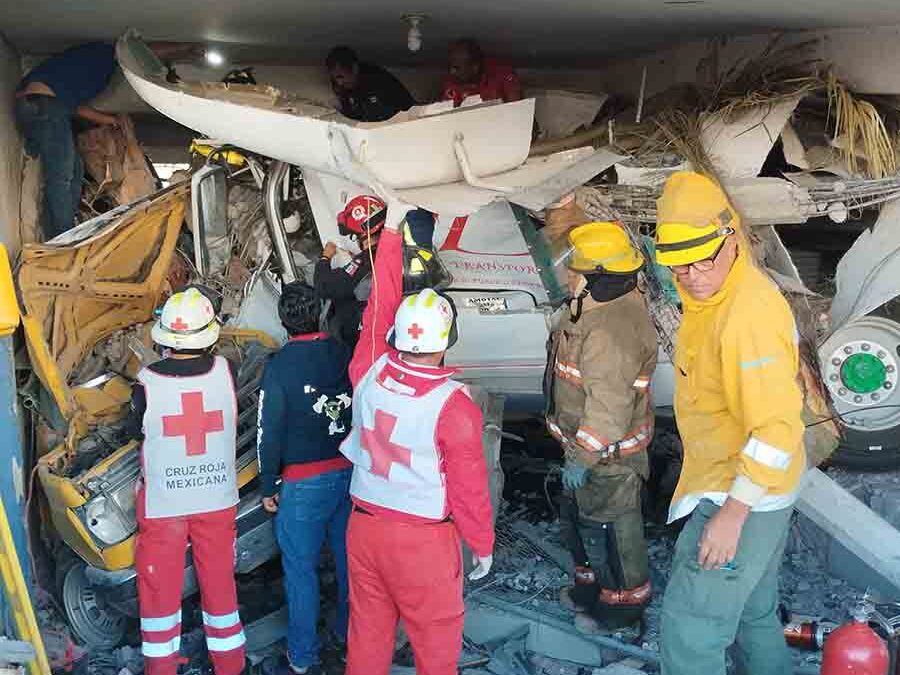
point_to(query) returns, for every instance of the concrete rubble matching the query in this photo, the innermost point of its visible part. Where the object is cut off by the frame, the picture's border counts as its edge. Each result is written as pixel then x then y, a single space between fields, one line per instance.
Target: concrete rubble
pixel 531 567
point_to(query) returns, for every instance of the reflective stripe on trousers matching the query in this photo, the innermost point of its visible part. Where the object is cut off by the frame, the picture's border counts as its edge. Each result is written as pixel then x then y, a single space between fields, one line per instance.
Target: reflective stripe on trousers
pixel 159 562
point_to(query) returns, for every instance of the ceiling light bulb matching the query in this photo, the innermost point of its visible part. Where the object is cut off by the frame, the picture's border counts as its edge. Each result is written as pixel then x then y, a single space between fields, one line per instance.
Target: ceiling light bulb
pixel 414 39
pixel 214 58
pixel 414 36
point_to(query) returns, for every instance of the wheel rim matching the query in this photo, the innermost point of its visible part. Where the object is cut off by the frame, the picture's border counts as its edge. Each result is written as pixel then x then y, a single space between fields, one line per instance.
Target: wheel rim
pixel 860 368
pixel 92 621
pixel 864 373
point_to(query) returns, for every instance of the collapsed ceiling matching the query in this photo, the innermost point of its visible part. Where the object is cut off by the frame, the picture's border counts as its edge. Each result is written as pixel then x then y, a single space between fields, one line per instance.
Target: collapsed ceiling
pixel 580 33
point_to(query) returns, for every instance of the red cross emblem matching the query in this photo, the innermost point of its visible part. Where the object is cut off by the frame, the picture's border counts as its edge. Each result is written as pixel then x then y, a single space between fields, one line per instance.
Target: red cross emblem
pixel 414 331
pixel 179 324
pixel 194 423
pixel 377 442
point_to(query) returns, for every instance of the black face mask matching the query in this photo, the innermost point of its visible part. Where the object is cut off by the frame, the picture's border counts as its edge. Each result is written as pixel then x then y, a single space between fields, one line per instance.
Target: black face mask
pixel 608 287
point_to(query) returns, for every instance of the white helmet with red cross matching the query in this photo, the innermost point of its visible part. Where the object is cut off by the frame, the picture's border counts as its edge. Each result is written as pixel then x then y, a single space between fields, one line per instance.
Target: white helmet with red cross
pixel 188 321
pixel 425 323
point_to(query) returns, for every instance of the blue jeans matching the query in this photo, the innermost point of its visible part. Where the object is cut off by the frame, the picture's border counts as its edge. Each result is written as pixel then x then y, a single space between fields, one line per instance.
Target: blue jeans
pixel 308 511
pixel 46 124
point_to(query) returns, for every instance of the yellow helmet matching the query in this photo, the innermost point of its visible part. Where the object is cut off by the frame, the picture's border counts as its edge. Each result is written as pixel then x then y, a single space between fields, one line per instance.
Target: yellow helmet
pixel 232 157
pixel 602 247
pixel 693 217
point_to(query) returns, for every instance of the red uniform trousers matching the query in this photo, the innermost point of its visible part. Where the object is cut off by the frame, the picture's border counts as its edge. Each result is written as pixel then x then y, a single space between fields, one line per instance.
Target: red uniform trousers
pixel 407 570
pixel 159 561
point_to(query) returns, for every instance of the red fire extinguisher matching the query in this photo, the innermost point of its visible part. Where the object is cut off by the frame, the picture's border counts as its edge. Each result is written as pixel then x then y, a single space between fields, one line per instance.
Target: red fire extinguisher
pixel 809 635
pixel 855 649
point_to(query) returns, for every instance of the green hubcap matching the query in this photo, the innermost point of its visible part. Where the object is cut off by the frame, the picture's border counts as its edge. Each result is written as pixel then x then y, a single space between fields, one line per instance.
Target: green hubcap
pixel 863 373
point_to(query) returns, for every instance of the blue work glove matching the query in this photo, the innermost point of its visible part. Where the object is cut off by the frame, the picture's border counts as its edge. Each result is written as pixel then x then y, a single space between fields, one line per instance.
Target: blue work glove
pixel 574 475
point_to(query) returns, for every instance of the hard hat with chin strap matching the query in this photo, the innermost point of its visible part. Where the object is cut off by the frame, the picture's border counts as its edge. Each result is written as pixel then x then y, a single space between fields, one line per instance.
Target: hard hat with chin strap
pixel 693 218
pixel 425 323
pixel 602 247
pixel 188 321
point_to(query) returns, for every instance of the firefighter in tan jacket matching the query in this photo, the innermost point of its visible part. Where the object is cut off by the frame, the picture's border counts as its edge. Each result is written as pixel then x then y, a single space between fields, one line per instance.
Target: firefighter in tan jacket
pixel 601 361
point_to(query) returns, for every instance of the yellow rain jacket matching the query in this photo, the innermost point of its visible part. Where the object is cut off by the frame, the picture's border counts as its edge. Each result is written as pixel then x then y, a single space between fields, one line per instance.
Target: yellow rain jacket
pixel 738 403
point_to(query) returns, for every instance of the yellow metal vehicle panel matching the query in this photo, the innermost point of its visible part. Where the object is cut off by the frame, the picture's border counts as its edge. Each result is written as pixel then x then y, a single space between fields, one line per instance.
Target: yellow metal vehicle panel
pixel 76 295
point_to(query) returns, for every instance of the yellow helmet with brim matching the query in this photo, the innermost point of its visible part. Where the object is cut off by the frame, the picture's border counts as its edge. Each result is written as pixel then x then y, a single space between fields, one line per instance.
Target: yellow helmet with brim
pixel 601 247
pixel 693 219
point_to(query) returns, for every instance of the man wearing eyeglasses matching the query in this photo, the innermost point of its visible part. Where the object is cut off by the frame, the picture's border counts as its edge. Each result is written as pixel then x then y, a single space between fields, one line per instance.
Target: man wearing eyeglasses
pixel 738 408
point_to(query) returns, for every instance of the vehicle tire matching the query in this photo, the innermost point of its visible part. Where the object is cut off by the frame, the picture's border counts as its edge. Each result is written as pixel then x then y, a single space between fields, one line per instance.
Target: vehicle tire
pixel 855 453
pixel 94 623
pixel 871 425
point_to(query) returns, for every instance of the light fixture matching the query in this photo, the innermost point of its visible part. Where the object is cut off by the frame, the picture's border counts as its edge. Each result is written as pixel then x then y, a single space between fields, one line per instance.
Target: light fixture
pixel 215 58
pixel 414 36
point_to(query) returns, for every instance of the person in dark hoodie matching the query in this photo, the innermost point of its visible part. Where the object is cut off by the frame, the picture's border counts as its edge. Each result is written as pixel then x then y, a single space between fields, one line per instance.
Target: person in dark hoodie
pixel 347 286
pixel 304 415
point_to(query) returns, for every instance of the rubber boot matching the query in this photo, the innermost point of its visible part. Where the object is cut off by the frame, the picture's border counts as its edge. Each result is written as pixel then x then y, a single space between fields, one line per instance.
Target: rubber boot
pixel 583 594
pixel 626 592
pixel 423 269
pixel 593 575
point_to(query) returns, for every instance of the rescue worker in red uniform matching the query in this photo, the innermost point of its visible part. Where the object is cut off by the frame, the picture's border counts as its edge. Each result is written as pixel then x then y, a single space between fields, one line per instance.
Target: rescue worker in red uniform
pixel 471 73
pixel 419 478
pixel 188 490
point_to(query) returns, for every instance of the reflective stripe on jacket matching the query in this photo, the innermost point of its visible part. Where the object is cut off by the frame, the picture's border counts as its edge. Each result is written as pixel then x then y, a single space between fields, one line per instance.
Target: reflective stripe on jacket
pixel 602 365
pixel 737 399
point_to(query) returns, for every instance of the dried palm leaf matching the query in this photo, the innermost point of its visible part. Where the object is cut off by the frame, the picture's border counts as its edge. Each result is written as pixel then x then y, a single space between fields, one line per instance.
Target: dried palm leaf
pixel 861 131
pixel 777 74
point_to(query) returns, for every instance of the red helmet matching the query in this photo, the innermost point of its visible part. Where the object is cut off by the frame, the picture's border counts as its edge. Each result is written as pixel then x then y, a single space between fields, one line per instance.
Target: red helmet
pixel 363 215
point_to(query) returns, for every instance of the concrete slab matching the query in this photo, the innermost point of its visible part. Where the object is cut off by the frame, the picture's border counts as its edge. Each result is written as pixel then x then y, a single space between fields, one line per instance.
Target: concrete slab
pixel 846 565
pixel 268 630
pixel 874 541
pixel 484 623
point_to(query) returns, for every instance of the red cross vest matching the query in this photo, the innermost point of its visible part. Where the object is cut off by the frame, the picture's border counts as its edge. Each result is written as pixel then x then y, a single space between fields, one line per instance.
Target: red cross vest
pixel 188 454
pixel 396 462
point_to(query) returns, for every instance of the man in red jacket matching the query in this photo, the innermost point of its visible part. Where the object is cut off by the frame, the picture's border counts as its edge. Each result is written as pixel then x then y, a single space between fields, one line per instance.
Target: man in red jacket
pixel 470 73
pixel 419 478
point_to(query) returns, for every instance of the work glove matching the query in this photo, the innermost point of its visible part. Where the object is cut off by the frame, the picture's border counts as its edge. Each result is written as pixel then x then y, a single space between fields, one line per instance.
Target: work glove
pixel 574 475
pixel 482 567
pixel 396 211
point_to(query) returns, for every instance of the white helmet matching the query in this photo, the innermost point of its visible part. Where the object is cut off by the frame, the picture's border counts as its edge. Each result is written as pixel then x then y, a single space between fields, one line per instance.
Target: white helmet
pixel 425 323
pixel 188 321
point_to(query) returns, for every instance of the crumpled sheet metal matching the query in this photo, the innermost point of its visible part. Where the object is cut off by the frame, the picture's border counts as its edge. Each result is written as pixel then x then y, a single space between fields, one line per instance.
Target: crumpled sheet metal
pixel 869 273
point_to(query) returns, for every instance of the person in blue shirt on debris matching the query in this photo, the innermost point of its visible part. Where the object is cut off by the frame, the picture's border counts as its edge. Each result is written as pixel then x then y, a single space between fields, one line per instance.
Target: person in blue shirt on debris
pixel 47 100
pixel 304 415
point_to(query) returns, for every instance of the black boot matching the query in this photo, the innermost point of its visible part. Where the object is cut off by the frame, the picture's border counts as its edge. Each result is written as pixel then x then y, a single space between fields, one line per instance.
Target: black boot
pixel 618 554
